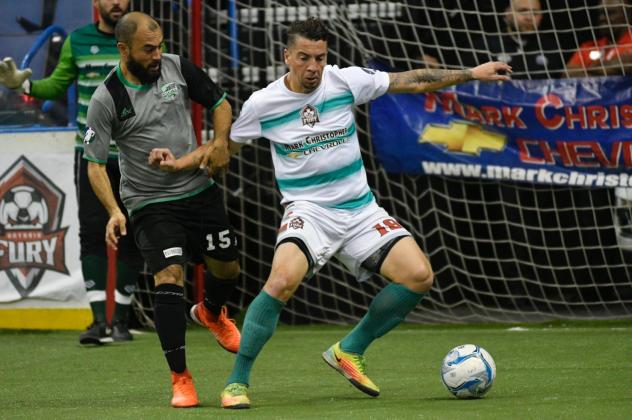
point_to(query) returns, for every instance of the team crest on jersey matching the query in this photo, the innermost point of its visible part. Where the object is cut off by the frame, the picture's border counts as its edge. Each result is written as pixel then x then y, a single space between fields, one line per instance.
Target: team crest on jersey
pixel 296 223
pixel 87 139
pixel 169 91
pixel 94 49
pixel 309 115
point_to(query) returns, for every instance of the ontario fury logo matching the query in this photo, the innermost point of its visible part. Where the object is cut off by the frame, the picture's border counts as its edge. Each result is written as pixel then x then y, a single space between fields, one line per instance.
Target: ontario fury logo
pixel 31 239
pixel 309 115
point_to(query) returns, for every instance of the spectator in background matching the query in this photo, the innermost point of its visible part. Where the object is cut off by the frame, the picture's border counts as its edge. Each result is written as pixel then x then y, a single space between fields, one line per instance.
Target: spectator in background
pixel 532 54
pixel 87 56
pixel 449 38
pixel 611 53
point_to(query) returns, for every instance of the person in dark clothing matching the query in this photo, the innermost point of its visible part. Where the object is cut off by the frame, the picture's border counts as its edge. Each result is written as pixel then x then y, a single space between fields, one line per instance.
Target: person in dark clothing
pixel 532 53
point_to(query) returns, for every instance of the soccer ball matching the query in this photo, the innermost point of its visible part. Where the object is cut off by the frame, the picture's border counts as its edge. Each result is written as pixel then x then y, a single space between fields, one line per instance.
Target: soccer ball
pixel 468 371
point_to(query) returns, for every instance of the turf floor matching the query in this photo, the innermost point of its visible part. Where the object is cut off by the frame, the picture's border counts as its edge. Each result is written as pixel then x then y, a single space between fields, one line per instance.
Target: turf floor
pixel 545 371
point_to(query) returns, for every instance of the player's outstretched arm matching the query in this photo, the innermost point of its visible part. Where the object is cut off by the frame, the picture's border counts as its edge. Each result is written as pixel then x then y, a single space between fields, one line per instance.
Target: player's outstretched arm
pixel 164 159
pixel 428 80
pixel 212 156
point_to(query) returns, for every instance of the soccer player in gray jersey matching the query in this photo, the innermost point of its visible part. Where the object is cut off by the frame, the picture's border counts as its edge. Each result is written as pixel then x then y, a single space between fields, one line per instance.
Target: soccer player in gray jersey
pixel 175 216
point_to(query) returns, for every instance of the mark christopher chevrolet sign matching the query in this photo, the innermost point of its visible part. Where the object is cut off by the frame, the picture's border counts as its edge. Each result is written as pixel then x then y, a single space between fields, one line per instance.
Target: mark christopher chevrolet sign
pixel 574 131
pixel 31 236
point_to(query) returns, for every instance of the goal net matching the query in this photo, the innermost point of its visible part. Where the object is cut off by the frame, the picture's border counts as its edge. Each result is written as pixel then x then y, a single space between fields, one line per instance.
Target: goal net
pixel 502 251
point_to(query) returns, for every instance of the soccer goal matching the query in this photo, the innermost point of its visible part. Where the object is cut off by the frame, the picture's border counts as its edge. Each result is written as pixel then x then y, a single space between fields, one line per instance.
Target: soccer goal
pixel 502 251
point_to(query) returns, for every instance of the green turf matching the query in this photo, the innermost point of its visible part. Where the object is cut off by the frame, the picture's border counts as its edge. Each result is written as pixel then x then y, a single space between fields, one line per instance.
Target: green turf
pixel 559 371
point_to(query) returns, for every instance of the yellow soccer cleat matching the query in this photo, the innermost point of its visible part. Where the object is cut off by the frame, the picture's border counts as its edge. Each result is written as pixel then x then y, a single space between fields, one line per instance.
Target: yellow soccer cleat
pixel 352 366
pixel 235 396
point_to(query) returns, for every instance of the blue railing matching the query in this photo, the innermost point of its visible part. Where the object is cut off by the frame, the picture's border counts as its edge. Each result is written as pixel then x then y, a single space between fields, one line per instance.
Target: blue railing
pixel 233 34
pixel 72 90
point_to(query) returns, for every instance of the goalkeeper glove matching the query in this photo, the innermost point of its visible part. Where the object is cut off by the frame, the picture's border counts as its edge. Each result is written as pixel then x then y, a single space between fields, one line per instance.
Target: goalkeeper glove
pixel 11 77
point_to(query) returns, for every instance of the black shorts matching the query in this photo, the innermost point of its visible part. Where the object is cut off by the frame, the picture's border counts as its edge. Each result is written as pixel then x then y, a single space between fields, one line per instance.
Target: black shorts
pixel 175 232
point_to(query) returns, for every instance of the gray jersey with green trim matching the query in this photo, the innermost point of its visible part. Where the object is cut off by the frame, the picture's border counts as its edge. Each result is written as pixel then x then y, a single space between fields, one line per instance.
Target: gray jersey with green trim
pixel 140 118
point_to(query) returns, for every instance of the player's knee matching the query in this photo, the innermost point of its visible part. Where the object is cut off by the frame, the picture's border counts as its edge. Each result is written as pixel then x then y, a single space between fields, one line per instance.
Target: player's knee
pixel 421 278
pixel 227 271
pixel 281 285
pixel 173 274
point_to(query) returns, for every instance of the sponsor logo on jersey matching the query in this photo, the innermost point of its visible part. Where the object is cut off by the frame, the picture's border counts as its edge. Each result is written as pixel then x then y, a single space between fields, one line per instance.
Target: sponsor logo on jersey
pixel 31 235
pixel 126 112
pixel 169 91
pixel 172 252
pixel 317 143
pixel 309 115
pixel 89 136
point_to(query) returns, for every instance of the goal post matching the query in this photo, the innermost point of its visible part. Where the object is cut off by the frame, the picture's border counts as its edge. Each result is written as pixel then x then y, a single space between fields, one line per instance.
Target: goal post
pixel 502 251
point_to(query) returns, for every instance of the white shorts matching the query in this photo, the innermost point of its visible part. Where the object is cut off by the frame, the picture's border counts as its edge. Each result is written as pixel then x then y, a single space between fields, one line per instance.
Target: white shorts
pixel 350 236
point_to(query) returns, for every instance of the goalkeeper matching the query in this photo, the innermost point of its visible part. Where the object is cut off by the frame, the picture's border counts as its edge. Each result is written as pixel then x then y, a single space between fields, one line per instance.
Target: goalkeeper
pixel 87 56
pixel 329 208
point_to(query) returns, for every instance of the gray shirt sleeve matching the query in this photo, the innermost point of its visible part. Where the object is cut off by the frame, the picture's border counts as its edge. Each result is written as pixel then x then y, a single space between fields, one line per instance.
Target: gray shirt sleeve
pixel 98 131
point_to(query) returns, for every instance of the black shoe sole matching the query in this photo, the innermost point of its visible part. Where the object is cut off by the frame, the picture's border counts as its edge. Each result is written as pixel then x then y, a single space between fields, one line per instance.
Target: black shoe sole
pixel 90 341
pixel 122 339
pixel 237 407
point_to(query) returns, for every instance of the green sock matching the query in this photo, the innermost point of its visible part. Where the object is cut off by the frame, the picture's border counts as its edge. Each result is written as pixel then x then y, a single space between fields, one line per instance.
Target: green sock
pixel 259 325
pixel 388 310
pixel 126 279
pixel 94 269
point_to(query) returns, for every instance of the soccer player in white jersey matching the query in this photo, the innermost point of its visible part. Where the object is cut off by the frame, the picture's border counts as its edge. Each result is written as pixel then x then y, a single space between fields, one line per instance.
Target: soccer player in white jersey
pixel 329 209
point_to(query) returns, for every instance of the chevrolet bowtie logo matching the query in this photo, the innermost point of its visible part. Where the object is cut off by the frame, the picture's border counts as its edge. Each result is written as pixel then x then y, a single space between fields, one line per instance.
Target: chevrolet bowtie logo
pixel 463 137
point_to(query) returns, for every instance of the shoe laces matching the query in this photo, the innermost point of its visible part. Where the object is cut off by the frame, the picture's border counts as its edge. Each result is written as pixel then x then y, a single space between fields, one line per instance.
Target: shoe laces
pixel 236 389
pixel 223 316
pixel 183 382
pixel 358 360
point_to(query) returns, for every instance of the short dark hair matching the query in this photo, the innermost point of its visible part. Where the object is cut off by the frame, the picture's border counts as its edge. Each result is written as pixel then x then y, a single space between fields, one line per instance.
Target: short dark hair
pixel 127 26
pixel 311 28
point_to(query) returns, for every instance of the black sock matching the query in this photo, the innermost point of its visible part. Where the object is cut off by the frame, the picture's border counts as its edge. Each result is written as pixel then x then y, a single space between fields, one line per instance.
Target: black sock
pixel 217 292
pixel 171 324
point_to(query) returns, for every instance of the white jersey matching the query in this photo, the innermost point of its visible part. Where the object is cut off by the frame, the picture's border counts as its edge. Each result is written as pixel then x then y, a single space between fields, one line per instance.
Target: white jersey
pixel 313 137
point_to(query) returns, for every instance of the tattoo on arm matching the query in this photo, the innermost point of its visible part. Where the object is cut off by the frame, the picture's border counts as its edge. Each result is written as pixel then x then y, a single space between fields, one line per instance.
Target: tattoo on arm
pixel 427 79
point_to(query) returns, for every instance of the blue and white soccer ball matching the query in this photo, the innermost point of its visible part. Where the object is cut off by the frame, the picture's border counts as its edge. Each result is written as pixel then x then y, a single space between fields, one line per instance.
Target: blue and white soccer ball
pixel 468 371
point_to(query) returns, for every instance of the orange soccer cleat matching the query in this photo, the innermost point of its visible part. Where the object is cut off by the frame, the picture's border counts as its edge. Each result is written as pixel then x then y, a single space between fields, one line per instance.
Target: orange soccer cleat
pixel 222 327
pixel 184 394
